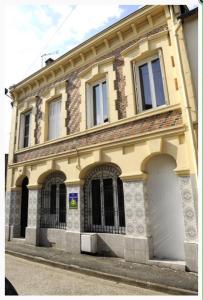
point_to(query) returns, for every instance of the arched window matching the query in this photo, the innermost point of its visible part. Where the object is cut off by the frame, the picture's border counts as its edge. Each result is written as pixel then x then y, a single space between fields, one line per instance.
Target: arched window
pixel 53 202
pixel 104 201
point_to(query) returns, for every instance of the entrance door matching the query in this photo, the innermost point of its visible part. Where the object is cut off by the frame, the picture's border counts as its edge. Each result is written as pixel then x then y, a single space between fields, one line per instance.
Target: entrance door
pixel 62 203
pixel 24 207
pixel 165 209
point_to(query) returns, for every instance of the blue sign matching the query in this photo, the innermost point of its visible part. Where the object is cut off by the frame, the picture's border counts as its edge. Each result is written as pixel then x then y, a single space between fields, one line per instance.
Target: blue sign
pixel 73 200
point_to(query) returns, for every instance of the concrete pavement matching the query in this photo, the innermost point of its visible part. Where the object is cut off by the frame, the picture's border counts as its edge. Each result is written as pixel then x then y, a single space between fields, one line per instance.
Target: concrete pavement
pixel 163 279
pixel 31 278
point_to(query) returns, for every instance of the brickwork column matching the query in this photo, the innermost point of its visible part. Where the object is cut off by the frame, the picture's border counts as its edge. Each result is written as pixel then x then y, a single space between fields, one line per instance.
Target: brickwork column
pixel 74 216
pixel 190 222
pixel 13 213
pixel 32 230
pixel 137 248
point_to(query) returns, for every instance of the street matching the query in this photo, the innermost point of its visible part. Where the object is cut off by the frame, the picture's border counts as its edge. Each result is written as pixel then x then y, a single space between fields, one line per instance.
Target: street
pixel 31 278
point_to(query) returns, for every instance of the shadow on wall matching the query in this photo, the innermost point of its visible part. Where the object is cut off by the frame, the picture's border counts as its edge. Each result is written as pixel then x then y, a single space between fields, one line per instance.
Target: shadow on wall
pixel 43 240
pixel 105 249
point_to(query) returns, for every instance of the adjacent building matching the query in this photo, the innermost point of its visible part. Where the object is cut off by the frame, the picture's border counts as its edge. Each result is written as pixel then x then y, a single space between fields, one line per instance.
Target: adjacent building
pixel 103 146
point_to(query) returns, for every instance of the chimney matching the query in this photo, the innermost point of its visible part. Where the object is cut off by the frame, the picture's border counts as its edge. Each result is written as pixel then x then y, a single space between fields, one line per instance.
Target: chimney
pixel 49 61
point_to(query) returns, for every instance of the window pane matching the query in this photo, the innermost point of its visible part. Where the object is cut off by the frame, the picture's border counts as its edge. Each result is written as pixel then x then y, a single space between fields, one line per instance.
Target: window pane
pixel 105 102
pixel 121 202
pixel 96 105
pixel 53 199
pixel 158 83
pixel 26 130
pixel 145 87
pixel 108 202
pixel 62 203
pixel 96 202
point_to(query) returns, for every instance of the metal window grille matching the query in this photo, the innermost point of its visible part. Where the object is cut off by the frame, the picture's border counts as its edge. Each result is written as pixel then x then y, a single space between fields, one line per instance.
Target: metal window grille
pixel 53 208
pixel 104 202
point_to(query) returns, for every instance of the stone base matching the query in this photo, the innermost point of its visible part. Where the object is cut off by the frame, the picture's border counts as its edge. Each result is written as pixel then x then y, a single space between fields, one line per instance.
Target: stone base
pixel 61 239
pixel 191 256
pixel 137 249
pixel 32 236
pixel 73 242
pixel 7 233
pixel 110 244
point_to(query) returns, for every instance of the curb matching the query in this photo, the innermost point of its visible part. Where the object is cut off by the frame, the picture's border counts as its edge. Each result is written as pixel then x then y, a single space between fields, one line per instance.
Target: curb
pixel 112 277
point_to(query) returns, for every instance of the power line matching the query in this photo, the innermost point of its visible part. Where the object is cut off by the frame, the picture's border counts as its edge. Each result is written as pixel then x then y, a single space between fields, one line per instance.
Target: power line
pixel 60 26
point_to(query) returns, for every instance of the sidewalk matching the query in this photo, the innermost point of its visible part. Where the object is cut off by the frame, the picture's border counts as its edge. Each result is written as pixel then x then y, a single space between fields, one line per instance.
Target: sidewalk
pixel 117 269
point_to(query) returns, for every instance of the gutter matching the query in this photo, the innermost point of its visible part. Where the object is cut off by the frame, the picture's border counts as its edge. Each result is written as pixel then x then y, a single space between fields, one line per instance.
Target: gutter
pixel 188 13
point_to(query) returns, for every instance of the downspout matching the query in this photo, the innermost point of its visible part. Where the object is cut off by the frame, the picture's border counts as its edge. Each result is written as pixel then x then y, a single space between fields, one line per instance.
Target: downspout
pixel 183 84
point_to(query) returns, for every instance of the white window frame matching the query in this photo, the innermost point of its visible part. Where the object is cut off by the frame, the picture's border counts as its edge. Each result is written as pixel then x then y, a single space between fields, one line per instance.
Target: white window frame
pixel 151 80
pixel 51 135
pixel 89 96
pixel 22 129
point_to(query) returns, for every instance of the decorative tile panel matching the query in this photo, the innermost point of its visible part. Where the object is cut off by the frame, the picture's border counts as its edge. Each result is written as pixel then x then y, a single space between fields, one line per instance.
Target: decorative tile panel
pixel 135 215
pixel 33 208
pixel 188 208
pixel 75 217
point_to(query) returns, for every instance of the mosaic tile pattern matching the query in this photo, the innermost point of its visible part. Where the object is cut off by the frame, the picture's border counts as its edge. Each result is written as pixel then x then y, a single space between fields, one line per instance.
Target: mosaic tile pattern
pixel 34 208
pixel 75 217
pixel 135 215
pixel 188 208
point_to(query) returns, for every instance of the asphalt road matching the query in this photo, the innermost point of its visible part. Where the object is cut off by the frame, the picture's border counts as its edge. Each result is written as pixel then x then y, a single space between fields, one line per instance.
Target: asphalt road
pixel 31 278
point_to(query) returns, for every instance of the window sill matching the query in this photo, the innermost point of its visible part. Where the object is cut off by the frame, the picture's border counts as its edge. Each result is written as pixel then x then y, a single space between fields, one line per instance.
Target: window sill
pixel 152 110
pixel 98 126
pixel 138 116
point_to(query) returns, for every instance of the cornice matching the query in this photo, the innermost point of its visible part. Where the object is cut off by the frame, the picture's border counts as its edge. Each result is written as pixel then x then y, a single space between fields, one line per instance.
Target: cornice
pixel 139 138
pixel 138 22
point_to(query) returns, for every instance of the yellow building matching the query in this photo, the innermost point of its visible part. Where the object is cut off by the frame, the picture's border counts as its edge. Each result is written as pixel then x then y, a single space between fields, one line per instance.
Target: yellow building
pixel 103 148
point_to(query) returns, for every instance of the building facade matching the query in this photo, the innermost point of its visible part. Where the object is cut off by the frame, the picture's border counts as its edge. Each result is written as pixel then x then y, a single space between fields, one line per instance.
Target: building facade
pixel 103 146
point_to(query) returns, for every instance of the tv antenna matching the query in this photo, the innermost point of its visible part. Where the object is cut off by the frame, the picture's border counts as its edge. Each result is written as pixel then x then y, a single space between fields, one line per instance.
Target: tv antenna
pixel 46 54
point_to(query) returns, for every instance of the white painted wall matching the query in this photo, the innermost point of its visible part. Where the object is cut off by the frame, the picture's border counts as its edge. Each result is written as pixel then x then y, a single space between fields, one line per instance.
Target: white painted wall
pixel 165 209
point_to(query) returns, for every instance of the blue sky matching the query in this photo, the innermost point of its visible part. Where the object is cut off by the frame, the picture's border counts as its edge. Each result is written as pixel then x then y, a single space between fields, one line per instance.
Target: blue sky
pixel 39 29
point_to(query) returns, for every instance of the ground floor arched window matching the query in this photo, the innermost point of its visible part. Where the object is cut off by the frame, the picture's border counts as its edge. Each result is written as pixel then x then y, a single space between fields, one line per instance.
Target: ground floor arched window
pixel 53 202
pixel 104 201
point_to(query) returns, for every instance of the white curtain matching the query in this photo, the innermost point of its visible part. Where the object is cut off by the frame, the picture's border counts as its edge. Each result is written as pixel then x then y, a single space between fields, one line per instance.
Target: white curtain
pixel 22 128
pixel 54 119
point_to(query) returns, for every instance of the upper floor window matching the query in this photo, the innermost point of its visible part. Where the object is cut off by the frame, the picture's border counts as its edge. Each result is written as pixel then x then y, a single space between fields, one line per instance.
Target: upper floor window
pixel 150 83
pixel 25 123
pixel 98 103
pixel 54 119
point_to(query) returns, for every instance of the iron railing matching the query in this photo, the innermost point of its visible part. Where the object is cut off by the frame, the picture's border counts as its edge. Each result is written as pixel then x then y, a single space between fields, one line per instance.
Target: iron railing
pixel 110 221
pixel 53 210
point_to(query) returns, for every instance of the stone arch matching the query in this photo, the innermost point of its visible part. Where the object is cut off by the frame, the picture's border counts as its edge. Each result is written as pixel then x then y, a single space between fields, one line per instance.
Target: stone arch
pixel 166 222
pixel 45 175
pixel 85 172
pixel 20 178
pixel 151 156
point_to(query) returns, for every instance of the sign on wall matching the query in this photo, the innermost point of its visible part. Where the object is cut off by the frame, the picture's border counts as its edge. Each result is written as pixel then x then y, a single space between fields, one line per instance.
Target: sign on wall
pixel 73 200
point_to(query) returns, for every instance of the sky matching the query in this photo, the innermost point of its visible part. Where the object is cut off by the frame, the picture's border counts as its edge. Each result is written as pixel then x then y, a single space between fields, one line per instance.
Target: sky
pixel 33 29
pixel 36 30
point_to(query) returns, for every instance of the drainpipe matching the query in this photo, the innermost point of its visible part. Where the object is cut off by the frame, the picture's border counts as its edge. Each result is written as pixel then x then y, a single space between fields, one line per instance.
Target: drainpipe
pixel 183 84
